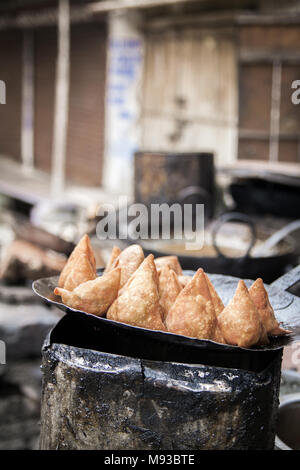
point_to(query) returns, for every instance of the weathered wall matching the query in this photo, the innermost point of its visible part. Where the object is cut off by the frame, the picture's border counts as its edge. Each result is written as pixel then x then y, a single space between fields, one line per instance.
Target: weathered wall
pixel 261 49
pixel 190 92
pixel 123 100
pixel 11 74
pixel 85 139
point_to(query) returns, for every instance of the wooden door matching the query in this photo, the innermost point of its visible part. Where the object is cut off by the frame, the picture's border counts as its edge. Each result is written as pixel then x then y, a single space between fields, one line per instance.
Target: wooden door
pixel 190 92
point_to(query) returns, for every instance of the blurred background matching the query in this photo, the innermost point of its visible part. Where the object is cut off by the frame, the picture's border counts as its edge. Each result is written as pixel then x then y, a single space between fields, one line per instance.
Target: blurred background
pixel 157 100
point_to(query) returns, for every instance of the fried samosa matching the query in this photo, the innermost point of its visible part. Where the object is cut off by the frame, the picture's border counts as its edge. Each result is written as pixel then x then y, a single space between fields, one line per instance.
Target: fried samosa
pixel 217 302
pixel 83 247
pixel 261 300
pixel 183 279
pixel 218 335
pixel 240 321
pixel 138 304
pixel 169 288
pixel 81 271
pixel 94 296
pixel 192 313
pixel 208 291
pixel 129 260
pixel 171 261
pixel 116 251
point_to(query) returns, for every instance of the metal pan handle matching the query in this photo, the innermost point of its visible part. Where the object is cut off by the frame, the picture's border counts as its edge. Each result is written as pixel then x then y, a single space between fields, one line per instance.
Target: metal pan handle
pixel 288 280
pixel 189 191
pixel 233 217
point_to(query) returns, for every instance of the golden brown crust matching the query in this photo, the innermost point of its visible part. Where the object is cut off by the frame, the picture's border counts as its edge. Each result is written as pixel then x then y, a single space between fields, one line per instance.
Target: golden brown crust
pixel 129 260
pixel 218 335
pixel 240 322
pixel 192 313
pixel 169 288
pixel 115 252
pixel 138 304
pixel 83 247
pixel 171 262
pixel 93 296
pixel 261 300
pixel 218 304
pixel 80 272
pixel 183 279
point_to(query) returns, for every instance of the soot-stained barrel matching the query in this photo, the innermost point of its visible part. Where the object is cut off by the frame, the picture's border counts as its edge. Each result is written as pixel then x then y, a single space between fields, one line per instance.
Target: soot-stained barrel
pixel 99 400
pixel 174 177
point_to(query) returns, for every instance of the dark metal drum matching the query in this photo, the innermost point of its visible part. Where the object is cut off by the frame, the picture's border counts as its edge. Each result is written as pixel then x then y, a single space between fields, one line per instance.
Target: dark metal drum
pixel 98 400
pixel 178 177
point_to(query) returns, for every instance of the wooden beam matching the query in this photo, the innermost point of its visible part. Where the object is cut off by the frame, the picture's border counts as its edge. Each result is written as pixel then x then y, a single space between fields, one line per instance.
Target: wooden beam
pixel 203 19
pixel 111 5
pixel 45 17
pixel 83 13
pixel 268 55
pixel 61 107
pixel 268 18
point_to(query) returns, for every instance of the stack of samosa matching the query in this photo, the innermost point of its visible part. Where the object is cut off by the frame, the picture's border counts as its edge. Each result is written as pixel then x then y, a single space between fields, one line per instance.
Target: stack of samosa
pixel 138 303
pixel 156 294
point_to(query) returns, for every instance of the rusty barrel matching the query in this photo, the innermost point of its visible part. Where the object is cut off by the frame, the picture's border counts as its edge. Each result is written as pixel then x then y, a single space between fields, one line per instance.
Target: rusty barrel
pixel 174 177
pixel 102 391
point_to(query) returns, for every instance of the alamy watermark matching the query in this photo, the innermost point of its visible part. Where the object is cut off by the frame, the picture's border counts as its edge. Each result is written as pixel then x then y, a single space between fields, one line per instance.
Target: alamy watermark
pixel 136 221
pixel 296 94
pixel 2 352
pixel 2 92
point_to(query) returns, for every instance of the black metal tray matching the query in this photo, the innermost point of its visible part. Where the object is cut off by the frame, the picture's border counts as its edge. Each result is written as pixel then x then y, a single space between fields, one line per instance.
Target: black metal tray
pixel 285 304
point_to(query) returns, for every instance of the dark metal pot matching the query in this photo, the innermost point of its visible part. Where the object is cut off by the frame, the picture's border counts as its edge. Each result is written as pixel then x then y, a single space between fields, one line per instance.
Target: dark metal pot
pixel 174 177
pixel 108 385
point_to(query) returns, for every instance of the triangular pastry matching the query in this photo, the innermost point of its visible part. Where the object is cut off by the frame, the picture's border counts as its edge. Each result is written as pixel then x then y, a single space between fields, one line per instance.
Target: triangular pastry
pixel 81 271
pixel 261 300
pixel 240 322
pixel 83 247
pixel 116 251
pixel 138 304
pixel 171 261
pixel 218 304
pixel 184 279
pixel 169 288
pixel 218 335
pixel 94 296
pixel 208 291
pixel 192 313
pixel 129 260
